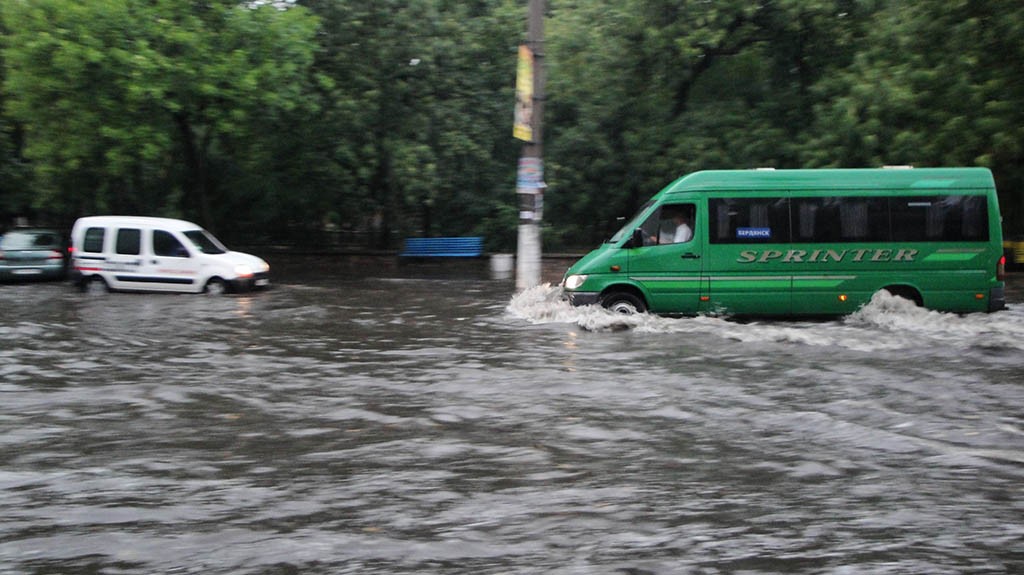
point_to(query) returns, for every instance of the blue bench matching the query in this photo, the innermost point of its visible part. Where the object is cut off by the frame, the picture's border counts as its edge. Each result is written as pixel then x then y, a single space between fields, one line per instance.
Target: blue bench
pixel 462 247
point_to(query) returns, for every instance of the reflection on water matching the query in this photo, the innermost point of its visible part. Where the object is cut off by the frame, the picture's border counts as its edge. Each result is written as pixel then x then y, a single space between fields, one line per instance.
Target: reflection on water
pixel 433 424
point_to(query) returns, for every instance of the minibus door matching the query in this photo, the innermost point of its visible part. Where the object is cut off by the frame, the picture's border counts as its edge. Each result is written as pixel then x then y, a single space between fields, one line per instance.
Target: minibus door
pixel 668 264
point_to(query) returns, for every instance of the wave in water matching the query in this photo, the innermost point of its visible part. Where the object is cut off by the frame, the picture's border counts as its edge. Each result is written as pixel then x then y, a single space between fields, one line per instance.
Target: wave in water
pixel 886 322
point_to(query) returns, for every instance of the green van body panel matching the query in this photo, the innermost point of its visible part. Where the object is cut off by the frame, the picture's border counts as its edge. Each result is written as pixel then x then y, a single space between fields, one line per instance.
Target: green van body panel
pixel 734 276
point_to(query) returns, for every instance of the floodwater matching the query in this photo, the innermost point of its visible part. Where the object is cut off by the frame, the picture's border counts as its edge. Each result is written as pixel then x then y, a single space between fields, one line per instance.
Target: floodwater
pixel 417 420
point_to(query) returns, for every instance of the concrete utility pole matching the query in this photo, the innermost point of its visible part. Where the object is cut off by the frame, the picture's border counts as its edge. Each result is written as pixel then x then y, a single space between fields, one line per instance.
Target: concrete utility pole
pixel 530 177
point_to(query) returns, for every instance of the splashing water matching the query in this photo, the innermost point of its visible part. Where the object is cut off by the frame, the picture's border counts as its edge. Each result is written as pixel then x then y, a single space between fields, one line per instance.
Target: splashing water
pixel 546 304
pixel 895 315
pixel 886 322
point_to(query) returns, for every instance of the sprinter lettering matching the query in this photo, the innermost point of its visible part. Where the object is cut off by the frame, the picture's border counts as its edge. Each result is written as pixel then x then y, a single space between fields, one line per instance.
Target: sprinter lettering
pixel 801 256
pixel 827 255
pixel 905 255
pixel 747 256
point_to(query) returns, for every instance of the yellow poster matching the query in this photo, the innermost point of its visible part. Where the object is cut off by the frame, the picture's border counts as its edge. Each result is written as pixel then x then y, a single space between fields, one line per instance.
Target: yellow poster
pixel 522 128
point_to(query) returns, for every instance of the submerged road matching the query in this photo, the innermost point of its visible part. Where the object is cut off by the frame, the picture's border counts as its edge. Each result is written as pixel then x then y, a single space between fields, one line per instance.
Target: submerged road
pixel 423 420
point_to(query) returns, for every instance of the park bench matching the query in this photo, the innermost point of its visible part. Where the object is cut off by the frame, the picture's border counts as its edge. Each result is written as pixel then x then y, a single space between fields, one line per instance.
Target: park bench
pixel 457 247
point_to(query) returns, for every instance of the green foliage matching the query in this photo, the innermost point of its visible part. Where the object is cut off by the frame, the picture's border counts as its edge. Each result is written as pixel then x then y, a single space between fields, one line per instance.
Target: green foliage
pixel 126 103
pixel 363 122
pixel 420 107
pixel 934 83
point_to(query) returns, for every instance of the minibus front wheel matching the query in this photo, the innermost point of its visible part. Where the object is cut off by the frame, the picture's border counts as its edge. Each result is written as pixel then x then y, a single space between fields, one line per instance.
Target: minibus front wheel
pixel 624 302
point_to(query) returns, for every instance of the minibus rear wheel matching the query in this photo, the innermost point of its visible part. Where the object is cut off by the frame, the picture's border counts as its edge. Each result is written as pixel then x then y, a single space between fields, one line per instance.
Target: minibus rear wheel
pixel 907 293
pixel 624 302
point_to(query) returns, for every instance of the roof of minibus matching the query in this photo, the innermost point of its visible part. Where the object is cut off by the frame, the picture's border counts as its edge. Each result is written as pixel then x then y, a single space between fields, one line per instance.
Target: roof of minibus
pixel 834 179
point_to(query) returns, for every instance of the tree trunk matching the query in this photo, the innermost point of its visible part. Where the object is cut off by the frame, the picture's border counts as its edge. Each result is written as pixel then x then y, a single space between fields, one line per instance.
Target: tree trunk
pixel 196 196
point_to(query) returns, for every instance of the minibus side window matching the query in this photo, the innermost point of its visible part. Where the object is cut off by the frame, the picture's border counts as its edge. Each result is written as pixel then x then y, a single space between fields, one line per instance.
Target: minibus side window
pixel 93 242
pixel 748 220
pixel 670 224
pixel 650 228
pixel 166 245
pixel 939 218
pixel 840 219
pixel 974 218
pixel 129 242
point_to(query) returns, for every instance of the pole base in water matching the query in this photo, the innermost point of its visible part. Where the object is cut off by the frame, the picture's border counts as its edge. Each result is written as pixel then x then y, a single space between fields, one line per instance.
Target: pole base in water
pixel 528 261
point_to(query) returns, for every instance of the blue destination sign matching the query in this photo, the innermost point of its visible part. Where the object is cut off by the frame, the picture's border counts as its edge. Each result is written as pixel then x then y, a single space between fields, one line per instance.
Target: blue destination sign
pixel 754 233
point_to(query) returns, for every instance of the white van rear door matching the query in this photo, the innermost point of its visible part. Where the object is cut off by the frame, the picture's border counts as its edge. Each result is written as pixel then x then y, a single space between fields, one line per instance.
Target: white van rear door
pixel 124 266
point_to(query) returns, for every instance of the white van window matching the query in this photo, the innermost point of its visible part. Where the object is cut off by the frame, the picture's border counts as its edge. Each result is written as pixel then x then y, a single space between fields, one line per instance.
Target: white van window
pixel 129 242
pixel 205 243
pixel 166 245
pixel 93 242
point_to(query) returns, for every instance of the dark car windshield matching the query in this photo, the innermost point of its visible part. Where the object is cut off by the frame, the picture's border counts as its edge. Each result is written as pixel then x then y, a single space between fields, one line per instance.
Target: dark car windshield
pixel 205 242
pixel 30 241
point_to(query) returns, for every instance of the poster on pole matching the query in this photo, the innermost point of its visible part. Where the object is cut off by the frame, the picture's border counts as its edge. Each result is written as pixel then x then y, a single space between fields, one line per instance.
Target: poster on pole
pixel 522 127
pixel 530 176
pixel 530 188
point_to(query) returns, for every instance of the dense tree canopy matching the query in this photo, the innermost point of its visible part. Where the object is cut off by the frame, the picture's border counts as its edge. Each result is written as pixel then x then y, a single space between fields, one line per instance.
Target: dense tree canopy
pixel 368 121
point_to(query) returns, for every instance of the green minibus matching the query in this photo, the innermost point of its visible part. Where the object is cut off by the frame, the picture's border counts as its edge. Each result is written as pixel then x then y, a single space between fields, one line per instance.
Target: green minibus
pixel 803 242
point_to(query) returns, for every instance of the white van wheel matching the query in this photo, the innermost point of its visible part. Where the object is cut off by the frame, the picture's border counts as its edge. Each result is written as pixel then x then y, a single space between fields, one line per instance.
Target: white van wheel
pixel 95 286
pixel 216 286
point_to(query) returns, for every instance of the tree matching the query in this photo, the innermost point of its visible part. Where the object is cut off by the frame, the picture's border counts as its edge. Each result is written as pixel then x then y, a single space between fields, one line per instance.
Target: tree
pixel 643 91
pixel 420 109
pixel 392 118
pixel 15 193
pixel 934 83
pixel 129 104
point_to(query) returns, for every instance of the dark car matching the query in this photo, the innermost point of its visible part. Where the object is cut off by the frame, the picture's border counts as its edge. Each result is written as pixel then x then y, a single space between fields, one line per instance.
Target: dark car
pixel 1013 249
pixel 32 255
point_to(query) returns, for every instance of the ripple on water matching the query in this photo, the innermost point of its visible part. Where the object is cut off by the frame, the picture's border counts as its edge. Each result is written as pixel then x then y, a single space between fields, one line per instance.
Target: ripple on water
pixel 438 427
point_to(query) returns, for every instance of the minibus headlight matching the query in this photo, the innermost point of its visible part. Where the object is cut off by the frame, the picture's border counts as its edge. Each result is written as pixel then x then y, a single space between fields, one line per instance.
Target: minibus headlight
pixel 243 271
pixel 574 281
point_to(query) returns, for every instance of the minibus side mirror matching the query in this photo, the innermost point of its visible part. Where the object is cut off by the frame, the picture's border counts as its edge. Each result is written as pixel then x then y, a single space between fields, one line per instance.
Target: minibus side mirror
pixel 636 240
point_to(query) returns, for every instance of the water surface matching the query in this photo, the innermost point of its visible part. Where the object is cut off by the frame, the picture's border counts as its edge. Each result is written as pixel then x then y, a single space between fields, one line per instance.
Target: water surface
pixel 418 421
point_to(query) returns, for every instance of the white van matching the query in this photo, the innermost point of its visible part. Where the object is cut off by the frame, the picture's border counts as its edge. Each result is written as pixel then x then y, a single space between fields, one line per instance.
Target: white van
pixel 158 254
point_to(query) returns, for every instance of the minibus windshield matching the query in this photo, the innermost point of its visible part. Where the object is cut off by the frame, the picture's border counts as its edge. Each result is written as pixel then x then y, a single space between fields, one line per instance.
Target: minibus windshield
pixel 205 242
pixel 632 224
